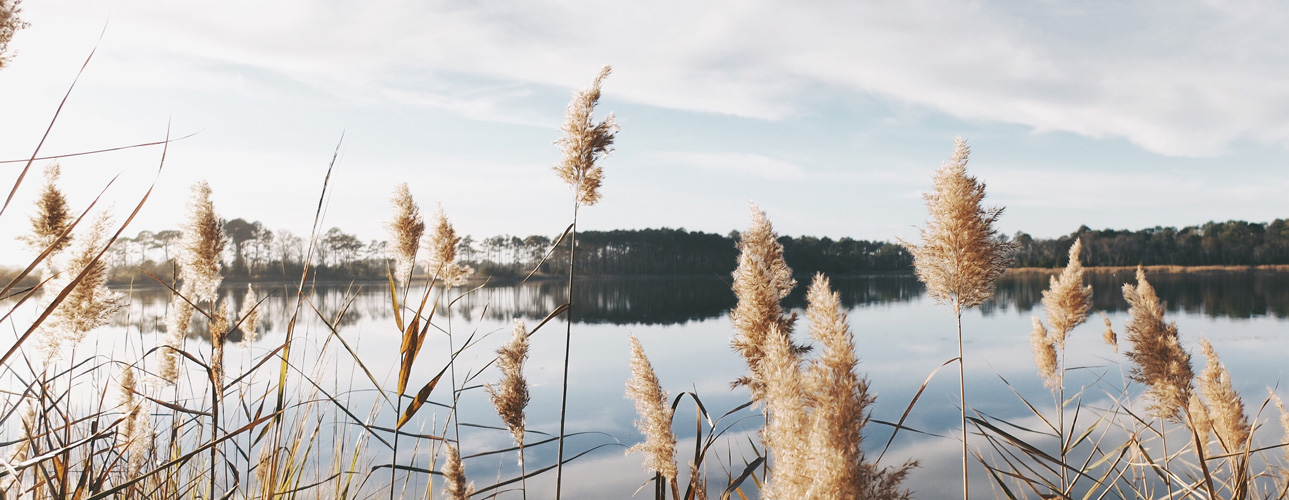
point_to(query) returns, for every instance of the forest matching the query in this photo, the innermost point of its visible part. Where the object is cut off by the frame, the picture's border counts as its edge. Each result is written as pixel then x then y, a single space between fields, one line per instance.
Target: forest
pixel 256 252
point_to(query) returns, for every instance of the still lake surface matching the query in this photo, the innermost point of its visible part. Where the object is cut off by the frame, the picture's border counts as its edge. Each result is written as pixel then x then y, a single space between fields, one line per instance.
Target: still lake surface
pixel 901 337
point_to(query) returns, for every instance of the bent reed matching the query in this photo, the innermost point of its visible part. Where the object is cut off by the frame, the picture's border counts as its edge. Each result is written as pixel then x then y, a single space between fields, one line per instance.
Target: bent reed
pixel 251 419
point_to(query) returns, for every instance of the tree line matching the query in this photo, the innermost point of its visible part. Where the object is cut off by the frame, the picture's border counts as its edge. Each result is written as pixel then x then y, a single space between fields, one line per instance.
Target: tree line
pixel 256 252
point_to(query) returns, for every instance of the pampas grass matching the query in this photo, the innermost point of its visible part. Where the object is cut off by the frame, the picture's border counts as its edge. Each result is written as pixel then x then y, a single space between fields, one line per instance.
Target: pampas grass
pixel 250 315
pixel 1159 362
pixel 761 280
pixel 659 446
pixel 52 216
pixel 961 257
pixel 585 143
pixel 405 231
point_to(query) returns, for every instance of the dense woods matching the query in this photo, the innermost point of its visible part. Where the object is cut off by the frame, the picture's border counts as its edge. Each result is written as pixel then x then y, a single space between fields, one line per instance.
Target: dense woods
pixel 258 253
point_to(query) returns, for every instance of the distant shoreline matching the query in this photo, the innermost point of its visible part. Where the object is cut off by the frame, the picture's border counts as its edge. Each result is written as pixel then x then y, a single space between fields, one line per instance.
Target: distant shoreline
pixel 1158 269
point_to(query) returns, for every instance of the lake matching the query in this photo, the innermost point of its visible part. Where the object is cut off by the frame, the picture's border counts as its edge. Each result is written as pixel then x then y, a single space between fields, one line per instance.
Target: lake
pixel 901 337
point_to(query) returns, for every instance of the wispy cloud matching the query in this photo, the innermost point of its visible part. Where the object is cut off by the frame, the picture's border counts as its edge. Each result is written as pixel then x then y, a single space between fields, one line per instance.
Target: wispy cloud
pixel 738 164
pixel 1186 79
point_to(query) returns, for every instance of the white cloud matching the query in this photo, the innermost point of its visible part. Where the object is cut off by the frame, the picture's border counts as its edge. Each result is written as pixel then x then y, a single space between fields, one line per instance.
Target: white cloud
pixel 1181 79
pixel 739 164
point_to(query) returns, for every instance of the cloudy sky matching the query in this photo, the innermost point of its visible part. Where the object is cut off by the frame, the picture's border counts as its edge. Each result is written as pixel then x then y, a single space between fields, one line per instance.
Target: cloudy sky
pixel 830 115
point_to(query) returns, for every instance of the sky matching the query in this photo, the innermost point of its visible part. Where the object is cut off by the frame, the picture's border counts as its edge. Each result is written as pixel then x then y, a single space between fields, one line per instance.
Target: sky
pixel 831 116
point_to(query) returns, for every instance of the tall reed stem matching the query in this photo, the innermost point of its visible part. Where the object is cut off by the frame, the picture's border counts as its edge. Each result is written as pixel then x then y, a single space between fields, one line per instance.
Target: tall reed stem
pixel 962 395
pixel 568 340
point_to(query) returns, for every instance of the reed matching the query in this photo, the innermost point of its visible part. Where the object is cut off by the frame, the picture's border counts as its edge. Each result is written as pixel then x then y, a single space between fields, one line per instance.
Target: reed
pixel 960 257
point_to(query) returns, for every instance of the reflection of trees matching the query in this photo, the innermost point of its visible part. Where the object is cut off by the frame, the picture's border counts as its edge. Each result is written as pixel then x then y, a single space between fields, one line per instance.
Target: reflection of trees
pixel 1215 294
pixel 678 300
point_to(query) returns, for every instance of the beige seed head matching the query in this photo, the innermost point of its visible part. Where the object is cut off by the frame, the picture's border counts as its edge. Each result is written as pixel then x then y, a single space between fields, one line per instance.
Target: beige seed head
pixel 52 213
pixel 200 248
pixel 510 397
pixel 178 317
pixel 1226 409
pixel 1067 300
pixel 135 430
pixel 1111 338
pixel 406 230
pixel 1159 361
pixel 250 315
pixel 454 472
pixel 960 258
pixel 442 244
pixel 218 333
pixel 1045 356
pixel 90 304
pixel 840 399
pixel 761 280
pixel 786 435
pixel 10 23
pixel 1199 420
pixel 1284 426
pixel 655 413
pixel 585 143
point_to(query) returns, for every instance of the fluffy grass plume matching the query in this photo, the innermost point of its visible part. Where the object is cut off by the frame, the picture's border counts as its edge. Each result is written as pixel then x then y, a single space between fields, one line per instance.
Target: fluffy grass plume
pixel 1159 362
pixel 90 304
pixel 1045 355
pixel 52 213
pixel 10 23
pixel 178 318
pixel 442 243
pixel 1109 336
pixel 786 435
pixel 405 230
pixel 250 315
pixel 659 446
pixel 510 397
pixel 840 400
pixel 457 488
pixel 1225 407
pixel 585 142
pixel 761 280
pixel 1066 299
pixel 960 258
pixel 135 429
pixel 218 333
pixel 203 242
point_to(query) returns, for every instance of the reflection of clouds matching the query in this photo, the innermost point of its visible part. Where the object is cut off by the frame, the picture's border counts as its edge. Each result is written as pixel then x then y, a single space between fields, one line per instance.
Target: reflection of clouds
pixel 900 338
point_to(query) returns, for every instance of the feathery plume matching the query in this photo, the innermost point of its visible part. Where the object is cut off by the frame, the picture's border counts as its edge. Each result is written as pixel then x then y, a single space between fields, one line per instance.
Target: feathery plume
pixel 697 482
pixel 136 430
pixel 52 213
pixel 218 332
pixel 454 472
pixel 9 25
pixel 1066 299
pixel 406 230
pixel 1284 426
pixel 442 243
pixel 250 315
pixel 90 304
pixel 1111 338
pixel 585 143
pixel 201 246
pixel 786 435
pixel 1159 360
pixel 761 280
pixel 1199 420
pixel 1226 409
pixel 510 397
pixel 178 318
pixel 960 258
pixel 1045 355
pixel 659 446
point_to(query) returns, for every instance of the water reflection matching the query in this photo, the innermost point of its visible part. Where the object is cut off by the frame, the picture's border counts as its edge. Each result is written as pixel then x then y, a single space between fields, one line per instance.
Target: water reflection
pixel 681 300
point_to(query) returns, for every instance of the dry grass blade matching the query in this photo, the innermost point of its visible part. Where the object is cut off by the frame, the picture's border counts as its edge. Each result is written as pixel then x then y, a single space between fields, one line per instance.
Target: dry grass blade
pixel 900 425
pixel 549 253
pixel 98 151
pixel 735 482
pixel 422 396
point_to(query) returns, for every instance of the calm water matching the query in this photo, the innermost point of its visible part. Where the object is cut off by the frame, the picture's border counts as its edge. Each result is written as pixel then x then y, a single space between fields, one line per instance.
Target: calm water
pixel 901 338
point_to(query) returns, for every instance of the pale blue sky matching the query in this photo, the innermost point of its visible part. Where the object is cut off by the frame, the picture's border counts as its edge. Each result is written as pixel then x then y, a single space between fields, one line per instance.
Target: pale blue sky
pixel 831 115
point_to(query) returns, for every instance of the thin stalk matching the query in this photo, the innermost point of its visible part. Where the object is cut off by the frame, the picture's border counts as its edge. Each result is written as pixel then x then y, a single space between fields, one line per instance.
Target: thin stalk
pixel 398 410
pixel 523 472
pixel 1168 473
pixel 962 395
pixel 1060 421
pixel 568 339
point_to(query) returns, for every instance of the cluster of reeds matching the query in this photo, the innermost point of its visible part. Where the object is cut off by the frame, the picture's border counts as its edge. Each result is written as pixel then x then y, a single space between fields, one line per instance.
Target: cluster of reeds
pixel 178 421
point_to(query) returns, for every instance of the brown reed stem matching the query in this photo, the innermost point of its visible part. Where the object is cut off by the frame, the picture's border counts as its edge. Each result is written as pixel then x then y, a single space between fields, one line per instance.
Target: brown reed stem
pixel 568 340
pixel 962 395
